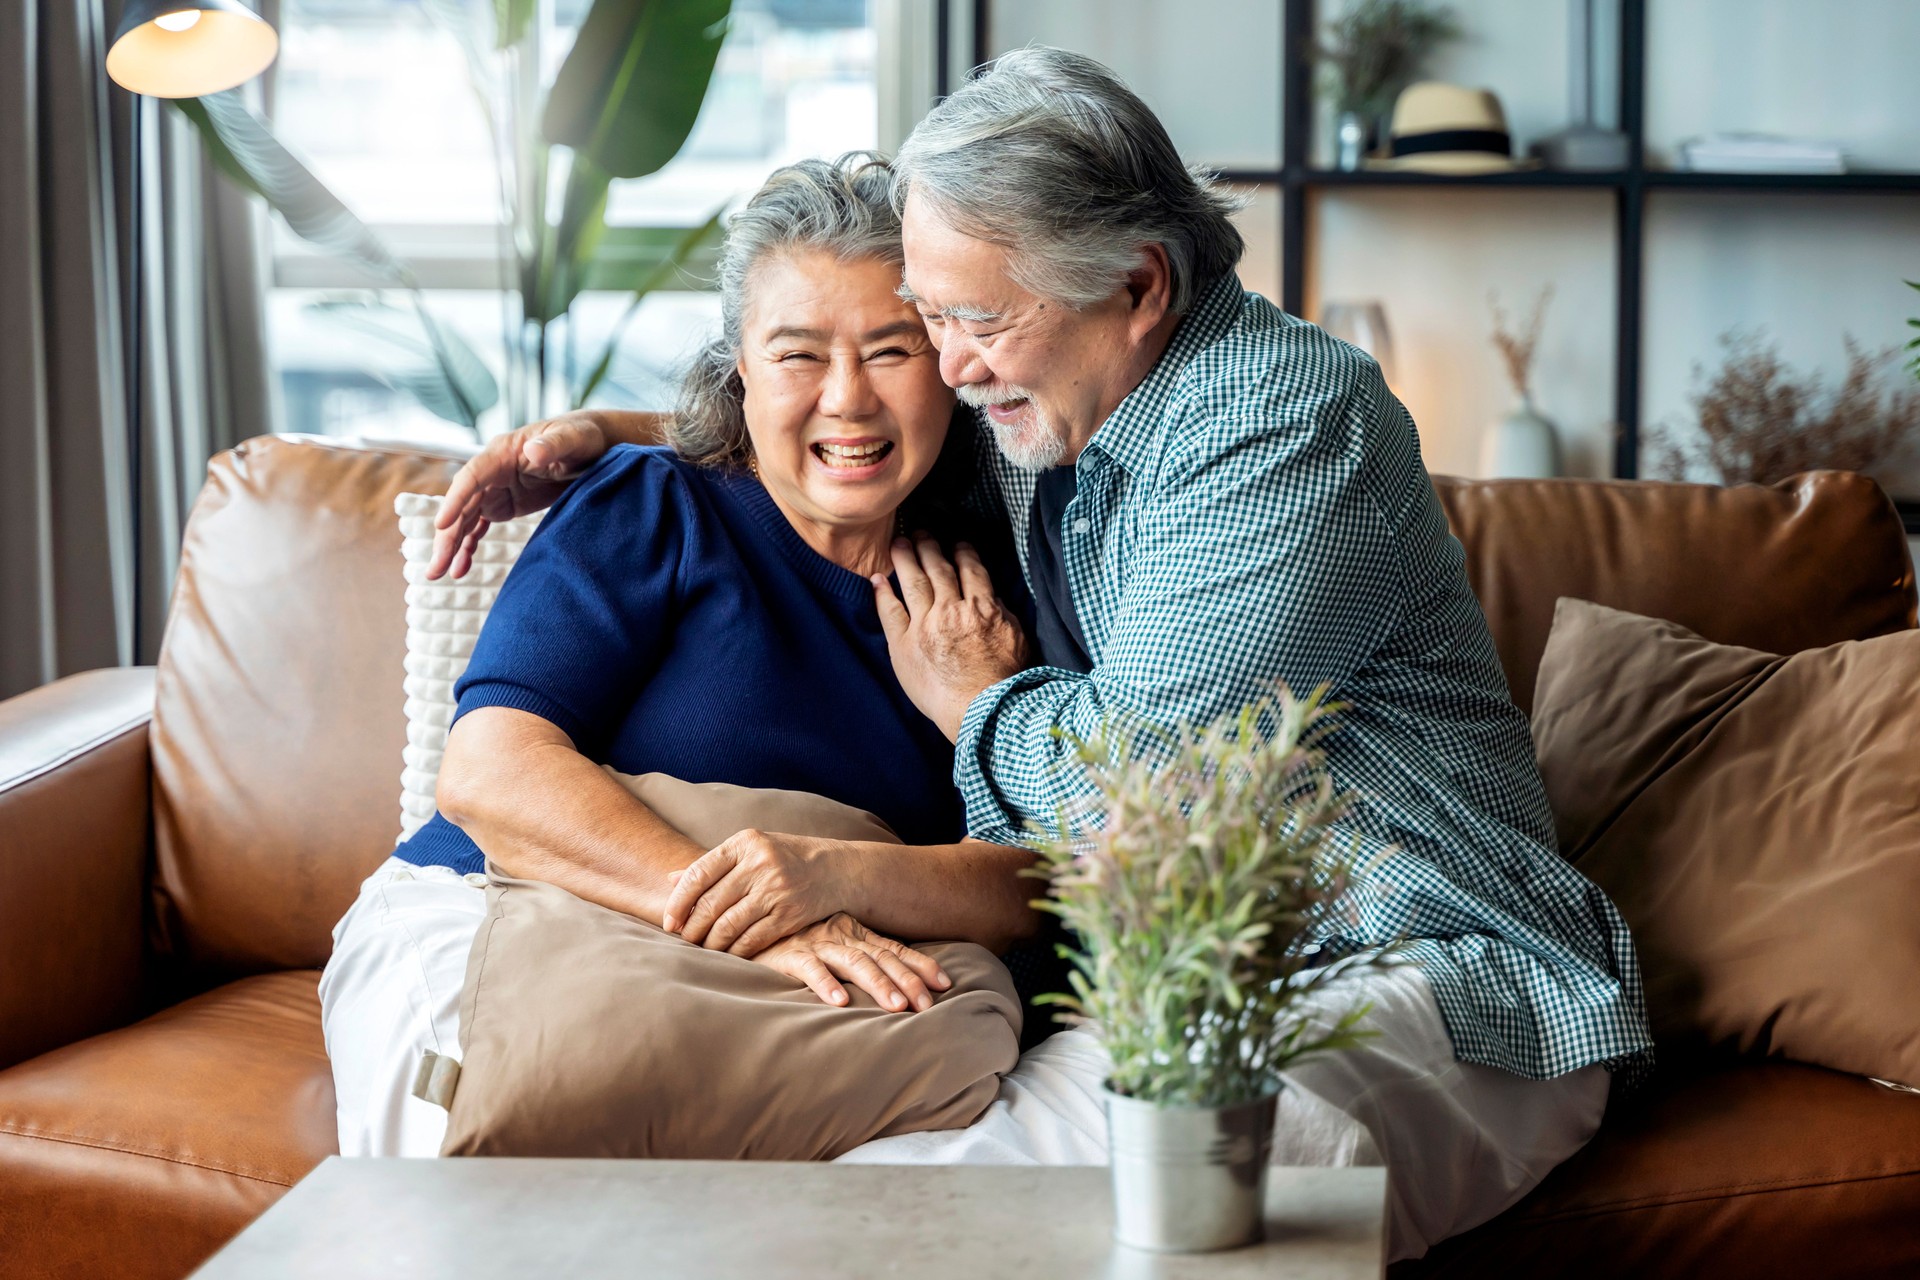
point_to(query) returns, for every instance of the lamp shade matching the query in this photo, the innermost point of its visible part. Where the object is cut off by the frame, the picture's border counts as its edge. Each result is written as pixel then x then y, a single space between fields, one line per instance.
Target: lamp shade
pixel 186 48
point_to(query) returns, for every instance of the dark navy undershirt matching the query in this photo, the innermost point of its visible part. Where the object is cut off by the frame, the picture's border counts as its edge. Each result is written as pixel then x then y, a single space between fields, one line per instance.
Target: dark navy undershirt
pixel 1056 627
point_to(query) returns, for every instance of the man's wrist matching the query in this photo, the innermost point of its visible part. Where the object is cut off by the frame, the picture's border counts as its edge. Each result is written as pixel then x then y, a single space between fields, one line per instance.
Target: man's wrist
pixel 625 426
pixel 956 709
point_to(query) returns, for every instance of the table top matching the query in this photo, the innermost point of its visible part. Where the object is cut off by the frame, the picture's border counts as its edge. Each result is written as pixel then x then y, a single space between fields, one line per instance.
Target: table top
pixel 478 1219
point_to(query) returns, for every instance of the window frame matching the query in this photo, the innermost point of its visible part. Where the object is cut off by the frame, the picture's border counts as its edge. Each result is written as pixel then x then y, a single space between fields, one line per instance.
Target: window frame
pixel 469 256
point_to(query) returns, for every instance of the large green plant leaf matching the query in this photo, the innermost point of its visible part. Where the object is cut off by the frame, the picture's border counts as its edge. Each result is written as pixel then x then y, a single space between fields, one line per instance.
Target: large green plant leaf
pixel 630 89
pixel 511 19
pixel 663 272
pixel 1913 365
pixel 242 146
pixel 415 353
pixel 573 241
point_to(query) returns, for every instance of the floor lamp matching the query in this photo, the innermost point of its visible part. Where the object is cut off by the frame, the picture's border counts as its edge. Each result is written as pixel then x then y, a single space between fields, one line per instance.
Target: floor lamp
pixel 171 49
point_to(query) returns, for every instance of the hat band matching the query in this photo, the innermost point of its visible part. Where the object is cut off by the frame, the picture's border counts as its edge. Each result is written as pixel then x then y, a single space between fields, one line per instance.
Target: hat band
pixel 1495 141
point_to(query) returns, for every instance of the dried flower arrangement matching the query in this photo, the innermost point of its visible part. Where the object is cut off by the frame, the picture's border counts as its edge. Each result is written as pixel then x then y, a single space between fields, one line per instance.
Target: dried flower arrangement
pixel 1761 422
pixel 1372 50
pixel 1206 870
pixel 1516 346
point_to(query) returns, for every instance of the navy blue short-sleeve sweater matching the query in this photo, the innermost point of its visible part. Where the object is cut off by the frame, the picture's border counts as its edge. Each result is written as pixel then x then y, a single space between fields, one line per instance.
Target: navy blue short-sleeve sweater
pixel 669 619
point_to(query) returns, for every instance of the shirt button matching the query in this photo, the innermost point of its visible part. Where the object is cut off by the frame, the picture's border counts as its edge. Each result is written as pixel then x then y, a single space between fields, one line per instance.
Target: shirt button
pixel 1082 525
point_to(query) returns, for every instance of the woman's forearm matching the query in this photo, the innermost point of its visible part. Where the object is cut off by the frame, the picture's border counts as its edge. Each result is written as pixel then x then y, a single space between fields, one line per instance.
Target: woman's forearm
pixel 542 811
pixel 971 891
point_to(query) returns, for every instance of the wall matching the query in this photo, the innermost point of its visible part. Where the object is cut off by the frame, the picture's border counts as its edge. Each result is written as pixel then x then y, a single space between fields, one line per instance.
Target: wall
pixel 1805 269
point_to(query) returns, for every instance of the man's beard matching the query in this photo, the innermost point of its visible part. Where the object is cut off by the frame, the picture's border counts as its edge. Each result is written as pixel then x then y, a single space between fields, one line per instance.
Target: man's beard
pixel 1032 443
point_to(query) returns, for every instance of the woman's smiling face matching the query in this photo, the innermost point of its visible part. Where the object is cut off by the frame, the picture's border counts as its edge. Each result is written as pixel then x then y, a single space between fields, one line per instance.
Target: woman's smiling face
pixel 844 401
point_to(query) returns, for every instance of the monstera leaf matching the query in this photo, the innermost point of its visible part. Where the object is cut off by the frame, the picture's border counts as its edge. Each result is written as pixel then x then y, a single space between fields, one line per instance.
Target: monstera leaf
pixel 621 105
pixel 662 272
pixel 417 354
pixel 242 146
pixel 1913 365
pixel 630 89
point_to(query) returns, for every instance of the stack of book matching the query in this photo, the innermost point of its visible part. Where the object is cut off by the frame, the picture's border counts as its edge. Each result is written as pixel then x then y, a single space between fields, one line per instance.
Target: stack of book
pixel 1761 153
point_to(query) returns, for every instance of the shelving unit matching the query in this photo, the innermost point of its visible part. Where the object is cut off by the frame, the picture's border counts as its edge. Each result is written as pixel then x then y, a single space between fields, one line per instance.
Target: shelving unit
pixel 1631 186
pixel 1298 182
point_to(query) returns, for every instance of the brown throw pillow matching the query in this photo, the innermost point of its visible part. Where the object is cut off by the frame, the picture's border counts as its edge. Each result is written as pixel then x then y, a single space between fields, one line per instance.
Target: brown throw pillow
pixel 587 1032
pixel 1757 820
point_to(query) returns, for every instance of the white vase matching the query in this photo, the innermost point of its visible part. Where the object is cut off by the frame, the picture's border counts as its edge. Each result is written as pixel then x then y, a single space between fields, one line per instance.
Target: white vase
pixel 1522 445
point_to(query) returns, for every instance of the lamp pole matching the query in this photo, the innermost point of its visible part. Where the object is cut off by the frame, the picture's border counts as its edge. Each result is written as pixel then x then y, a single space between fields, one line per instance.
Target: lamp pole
pixel 169 49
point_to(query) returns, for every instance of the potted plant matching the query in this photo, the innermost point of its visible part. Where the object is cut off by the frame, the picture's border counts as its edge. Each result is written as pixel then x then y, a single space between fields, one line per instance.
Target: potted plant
pixel 1369 53
pixel 1758 420
pixel 1198 877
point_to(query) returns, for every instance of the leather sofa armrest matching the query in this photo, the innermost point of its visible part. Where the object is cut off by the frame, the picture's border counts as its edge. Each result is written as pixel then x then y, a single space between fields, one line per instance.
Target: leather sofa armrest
pixel 75 823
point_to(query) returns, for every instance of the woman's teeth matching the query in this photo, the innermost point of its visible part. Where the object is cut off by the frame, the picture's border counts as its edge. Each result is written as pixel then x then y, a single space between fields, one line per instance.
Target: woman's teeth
pixel 853 455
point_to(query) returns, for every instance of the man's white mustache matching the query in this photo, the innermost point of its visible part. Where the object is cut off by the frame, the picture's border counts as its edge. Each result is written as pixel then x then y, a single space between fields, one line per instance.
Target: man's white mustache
pixel 979 395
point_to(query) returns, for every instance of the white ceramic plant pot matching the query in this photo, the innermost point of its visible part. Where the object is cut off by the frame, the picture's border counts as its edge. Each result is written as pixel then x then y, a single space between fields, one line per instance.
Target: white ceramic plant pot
pixel 1522 445
pixel 1189 1179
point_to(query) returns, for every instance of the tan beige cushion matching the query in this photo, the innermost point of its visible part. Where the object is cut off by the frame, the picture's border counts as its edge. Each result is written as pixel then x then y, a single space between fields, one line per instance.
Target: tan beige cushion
pixel 587 1032
pixel 1757 820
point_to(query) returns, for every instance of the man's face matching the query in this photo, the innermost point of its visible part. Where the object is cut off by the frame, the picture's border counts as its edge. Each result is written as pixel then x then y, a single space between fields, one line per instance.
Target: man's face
pixel 1046 375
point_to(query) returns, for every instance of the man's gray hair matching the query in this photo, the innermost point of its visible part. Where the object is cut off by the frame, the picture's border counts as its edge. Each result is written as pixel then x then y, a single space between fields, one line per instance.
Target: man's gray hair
pixel 1047 153
pixel 841 207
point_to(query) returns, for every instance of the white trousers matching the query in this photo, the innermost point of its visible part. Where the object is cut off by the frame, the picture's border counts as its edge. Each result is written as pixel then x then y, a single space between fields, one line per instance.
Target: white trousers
pixel 1460 1142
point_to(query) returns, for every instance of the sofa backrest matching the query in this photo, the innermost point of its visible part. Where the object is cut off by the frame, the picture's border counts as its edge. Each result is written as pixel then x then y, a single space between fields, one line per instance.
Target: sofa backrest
pixel 278 721
pixel 1807 562
pixel 278 725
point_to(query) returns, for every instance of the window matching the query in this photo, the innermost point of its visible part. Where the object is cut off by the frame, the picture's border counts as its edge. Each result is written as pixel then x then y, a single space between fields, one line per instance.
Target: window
pixel 375 96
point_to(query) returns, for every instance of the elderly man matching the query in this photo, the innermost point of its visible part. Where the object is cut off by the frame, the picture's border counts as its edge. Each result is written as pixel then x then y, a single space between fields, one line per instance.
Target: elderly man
pixel 1207 495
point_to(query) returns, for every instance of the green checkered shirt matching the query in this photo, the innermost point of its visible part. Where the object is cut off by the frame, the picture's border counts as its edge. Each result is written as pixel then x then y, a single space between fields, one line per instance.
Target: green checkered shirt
pixel 1257 509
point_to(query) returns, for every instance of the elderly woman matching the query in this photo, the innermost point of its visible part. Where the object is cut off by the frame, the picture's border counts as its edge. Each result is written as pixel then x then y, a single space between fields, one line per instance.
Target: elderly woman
pixel 708 611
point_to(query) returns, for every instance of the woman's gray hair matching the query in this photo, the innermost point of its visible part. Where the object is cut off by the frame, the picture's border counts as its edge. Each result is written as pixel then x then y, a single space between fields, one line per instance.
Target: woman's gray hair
pixel 1048 153
pixel 842 207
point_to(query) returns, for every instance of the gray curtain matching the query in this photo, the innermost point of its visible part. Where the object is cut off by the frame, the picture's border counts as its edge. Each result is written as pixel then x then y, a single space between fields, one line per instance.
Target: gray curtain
pixel 73 445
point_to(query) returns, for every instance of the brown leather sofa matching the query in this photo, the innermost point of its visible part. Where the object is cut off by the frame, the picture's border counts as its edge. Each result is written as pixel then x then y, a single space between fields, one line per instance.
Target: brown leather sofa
pixel 176 843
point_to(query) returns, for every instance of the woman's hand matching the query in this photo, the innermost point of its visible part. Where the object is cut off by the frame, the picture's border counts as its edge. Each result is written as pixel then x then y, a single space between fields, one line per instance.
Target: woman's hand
pixel 517 473
pixel 840 949
pixel 756 888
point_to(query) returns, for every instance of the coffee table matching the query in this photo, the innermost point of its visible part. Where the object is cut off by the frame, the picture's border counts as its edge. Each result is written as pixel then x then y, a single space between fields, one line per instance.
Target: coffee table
pixel 482 1219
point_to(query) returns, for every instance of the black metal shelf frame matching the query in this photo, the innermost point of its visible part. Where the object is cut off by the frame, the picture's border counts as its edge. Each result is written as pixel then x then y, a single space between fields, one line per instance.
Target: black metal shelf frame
pixel 1297 181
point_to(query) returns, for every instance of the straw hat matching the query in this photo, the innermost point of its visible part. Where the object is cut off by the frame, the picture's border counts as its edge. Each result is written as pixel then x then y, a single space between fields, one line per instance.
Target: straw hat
pixel 1447 128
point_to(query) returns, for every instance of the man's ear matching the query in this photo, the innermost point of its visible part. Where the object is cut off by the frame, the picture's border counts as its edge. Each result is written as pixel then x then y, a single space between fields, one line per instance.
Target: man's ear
pixel 1149 290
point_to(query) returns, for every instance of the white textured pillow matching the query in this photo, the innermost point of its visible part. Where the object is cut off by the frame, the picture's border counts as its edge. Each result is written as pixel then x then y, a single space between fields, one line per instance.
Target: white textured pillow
pixel 443 620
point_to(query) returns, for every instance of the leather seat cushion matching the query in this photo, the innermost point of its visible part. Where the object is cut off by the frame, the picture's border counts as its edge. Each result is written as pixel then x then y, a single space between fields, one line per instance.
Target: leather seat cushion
pixel 174 1133
pixel 1754 1170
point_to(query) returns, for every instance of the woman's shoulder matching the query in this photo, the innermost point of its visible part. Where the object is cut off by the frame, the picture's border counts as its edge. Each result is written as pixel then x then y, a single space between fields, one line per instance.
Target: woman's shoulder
pixel 630 476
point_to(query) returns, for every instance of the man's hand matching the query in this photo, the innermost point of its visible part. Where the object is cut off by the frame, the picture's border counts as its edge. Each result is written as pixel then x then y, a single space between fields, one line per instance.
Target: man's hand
pixel 951 638
pixel 840 949
pixel 757 887
pixel 520 472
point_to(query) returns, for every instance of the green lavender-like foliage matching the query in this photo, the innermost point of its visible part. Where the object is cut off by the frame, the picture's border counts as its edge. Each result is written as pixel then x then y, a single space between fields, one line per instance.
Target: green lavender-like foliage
pixel 1206 865
pixel 1371 51
pixel 1913 365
